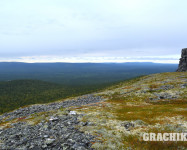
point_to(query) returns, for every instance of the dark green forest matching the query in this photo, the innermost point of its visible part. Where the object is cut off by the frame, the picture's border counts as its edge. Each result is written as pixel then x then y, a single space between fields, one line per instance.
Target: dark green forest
pixel 80 73
pixel 17 93
pixel 23 84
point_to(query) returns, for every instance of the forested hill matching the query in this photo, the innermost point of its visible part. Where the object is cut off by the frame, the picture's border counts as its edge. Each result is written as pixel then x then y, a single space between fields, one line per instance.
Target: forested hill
pixel 18 93
pixel 23 83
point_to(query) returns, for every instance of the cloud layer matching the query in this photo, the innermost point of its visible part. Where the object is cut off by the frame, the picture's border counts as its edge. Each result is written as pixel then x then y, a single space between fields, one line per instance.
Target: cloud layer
pixel 86 29
pixel 43 59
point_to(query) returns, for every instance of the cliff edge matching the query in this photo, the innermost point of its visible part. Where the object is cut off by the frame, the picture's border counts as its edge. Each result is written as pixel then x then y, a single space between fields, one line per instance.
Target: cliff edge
pixel 183 61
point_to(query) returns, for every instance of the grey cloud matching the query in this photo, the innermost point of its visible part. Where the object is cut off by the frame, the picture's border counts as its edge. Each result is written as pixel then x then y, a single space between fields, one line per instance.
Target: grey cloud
pixel 92 28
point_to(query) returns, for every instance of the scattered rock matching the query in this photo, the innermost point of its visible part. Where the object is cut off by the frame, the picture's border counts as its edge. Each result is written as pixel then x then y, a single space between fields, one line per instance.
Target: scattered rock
pixel 177 128
pixel 49 141
pixel 59 132
pixel 128 125
pixel 53 119
pixel 26 111
pixel 183 85
pixel 164 95
pixel 72 113
pixel 165 87
pixel 140 122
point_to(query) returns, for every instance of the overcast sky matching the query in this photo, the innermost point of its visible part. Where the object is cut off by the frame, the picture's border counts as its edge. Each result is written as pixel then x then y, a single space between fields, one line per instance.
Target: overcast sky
pixel 92 30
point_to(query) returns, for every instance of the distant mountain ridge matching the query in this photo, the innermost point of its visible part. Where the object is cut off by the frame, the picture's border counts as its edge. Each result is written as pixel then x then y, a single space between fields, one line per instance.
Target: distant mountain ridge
pixel 78 73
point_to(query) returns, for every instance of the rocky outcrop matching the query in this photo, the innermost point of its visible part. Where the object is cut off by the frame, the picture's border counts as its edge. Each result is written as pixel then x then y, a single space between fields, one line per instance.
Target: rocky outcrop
pixel 183 61
pixel 57 133
pixel 47 126
pixel 26 111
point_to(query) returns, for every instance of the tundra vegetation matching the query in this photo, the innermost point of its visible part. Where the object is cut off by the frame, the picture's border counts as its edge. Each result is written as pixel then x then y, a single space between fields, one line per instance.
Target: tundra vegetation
pixel 155 103
pixel 122 112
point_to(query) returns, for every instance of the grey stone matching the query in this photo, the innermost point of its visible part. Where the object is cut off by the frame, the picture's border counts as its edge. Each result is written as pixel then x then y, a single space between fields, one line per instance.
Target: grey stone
pixel 127 125
pixel 183 85
pixel 58 132
pixel 164 95
pixel 26 111
pixel 53 119
pixel 139 122
pixel 166 87
pixel 49 141
pixel 183 61
pixel 72 113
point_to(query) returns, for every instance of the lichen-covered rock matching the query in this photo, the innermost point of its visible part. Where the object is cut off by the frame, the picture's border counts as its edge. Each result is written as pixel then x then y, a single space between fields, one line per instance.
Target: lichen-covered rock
pixel 183 61
pixel 49 130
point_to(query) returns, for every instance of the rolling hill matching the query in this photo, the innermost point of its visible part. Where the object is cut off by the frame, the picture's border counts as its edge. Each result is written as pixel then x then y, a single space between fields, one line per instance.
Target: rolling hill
pixel 23 83
pixel 113 118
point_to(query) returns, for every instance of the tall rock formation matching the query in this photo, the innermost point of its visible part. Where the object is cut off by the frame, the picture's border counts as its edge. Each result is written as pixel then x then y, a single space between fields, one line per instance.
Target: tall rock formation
pixel 183 61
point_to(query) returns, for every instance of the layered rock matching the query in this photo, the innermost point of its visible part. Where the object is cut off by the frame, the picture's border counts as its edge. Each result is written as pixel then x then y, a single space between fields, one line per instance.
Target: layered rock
pixel 183 61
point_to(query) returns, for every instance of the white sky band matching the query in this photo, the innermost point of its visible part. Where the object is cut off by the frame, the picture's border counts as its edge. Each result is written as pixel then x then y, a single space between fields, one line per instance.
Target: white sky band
pixel 34 59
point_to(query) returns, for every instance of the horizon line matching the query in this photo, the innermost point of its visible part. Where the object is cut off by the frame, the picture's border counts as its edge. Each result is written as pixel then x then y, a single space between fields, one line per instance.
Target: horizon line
pixel 79 62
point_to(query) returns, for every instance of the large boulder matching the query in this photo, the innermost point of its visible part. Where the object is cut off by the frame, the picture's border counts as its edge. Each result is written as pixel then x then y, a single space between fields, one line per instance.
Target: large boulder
pixel 183 61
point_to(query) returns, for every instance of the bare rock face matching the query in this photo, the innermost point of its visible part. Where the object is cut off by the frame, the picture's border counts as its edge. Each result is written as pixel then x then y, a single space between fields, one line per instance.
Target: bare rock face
pixel 183 61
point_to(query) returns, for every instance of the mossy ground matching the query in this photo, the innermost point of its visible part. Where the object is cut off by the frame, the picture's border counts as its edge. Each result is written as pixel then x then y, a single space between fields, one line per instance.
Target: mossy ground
pixel 130 101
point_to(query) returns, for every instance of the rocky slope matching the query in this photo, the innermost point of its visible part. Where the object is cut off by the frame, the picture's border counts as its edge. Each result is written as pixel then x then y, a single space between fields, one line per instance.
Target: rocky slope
pixel 114 118
pixel 48 126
